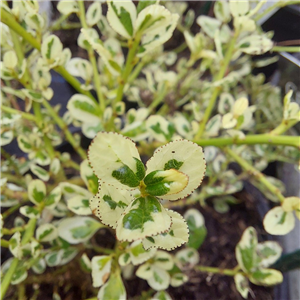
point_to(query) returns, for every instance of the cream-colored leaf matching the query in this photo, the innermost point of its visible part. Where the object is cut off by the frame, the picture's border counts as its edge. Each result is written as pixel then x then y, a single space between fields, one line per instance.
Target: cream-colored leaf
pixel 111 155
pixel 177 235
pixel 266 277
pixel 109 204
pixel 228 121
pixel 188 155
pixel 101 266
pixel 279 222
pixel 94 14
pixel 242 285
pixel 143 217
pixel 160 279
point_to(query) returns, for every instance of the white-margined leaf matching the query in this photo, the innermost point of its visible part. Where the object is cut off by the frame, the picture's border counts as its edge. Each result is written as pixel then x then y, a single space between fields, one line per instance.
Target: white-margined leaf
pixel 121 16
pixel 209 25
pixel 53 198
pixel 67 7
pixel 39 267
pixel 178 279
pixel 101 266
pixel 34 21
pixel 40 172
pixel 19 275
pixel 187 258
pixel 89 178
pixel 161 295
pixel 53 258
pixel 255 44
pixel 226 103
pixel 36 191
pixel 6 137
pixel 71 190
pixel 184 156
pixel 157 24
pixel 80 67
pixel 78 229
pixel 51 50
pixel 15 245
pixel 279 222
pixel 46 233
pixel 160 128
pixel 33 95
pixel 85 263
pixel 245 250
pixel 55 166
pixel 160 279
pixel 213 126
pixel 177 235
pixel 239 8
pixel 94 14
pixel 90 130
pixel 86 36
pixel 67 255
pixel 24 143
pixel 242 284
pixel 143 217
pixel 197 229
pixel 222 11
pixel 83 108
pixel 138 254
pixel 109 204
pixel 266 277
pixel 268 253
pixel 30 212
pixel 115 160
pixel 79 205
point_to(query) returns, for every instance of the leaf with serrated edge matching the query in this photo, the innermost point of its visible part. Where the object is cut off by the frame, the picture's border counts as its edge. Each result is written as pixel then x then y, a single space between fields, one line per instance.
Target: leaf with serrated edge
pixel 242 284
pixel 193 164
pixel 177 235
pixel 138 254
pixel 101 266
pixel 36 191
pixel 245 250
pixel 266 277
pixel 108 153
pixel 109 204
pixel 143 217
pixel 279 222
pixel 268 253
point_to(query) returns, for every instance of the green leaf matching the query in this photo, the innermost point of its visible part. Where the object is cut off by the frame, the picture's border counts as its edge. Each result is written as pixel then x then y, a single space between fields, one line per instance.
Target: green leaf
pixel 266 277
pixel 173 164
pixel 84 109
pixel 46 233
pixel 30 212
pixel 19 275
pixel 197 228
pixel 36 191
pixel 143 217
pixel 242 285
pixel 113 289
pixel 143 4
pixel 53 198
pixel 138 254
pixel 245 250
pixel 121 17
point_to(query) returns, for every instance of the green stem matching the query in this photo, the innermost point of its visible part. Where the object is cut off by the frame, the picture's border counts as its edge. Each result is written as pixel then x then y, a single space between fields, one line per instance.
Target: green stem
pixel 283 127
pixel 4 243
pixel 291 49
pixel 269 139
pixel 11 210
pixel 132 45
pixel 252 171
pixel 65 129
pixel 217 90
pixel 97 80
pixel 24 115
pixel 228 272
pixel 57 23
pixel 10 272
pixel 6 231
pixel 159 98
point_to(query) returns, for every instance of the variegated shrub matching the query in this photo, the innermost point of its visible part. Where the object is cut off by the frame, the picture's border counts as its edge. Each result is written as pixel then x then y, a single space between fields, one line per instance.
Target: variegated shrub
pixel 147 109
